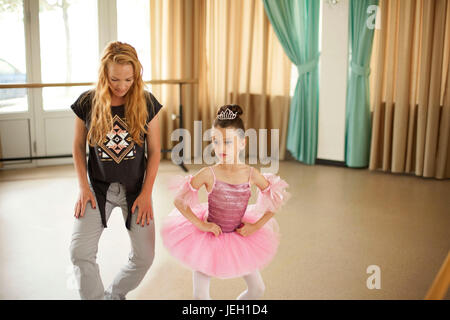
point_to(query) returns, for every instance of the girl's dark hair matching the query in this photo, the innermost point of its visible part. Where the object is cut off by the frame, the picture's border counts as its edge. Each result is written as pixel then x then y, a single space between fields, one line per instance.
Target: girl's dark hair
pixel 236 123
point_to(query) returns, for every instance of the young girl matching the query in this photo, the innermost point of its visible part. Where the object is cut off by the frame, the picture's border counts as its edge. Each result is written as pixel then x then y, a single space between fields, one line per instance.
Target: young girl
pixel 225 237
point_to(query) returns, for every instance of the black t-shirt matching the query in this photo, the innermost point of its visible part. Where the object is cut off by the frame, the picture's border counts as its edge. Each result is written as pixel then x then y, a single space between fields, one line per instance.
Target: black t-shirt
pixel 119 158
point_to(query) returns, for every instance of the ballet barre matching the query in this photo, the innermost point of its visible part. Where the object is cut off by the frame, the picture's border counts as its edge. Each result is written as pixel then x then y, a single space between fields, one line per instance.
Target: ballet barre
pixel 179 82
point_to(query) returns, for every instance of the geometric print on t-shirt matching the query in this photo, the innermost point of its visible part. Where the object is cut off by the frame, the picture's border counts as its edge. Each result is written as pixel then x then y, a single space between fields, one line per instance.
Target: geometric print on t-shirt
pixel 118 143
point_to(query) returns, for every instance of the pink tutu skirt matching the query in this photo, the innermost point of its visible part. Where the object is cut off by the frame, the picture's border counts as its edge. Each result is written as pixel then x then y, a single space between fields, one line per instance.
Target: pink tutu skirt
pixel 227 256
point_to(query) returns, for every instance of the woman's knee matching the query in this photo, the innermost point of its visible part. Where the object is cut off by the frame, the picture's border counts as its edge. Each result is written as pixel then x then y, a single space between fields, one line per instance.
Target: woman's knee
pixel 143 247
pixel 81 251
pixel 148 259
pixel 143 260
pixel 76 253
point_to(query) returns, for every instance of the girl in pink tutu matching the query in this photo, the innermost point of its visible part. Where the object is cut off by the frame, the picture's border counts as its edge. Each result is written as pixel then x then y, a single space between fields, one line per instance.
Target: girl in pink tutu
pixel 225 237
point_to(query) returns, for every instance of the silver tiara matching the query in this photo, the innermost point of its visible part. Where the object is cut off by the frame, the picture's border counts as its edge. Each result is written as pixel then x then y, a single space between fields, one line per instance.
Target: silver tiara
pixel 227 115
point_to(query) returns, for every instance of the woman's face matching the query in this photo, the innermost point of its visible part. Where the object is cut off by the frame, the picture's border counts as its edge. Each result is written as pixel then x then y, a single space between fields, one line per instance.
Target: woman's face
pixel 227 144
pixel 121 77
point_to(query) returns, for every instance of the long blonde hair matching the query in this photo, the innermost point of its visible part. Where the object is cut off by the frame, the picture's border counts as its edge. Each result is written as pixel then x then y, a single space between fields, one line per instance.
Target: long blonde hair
pixel 135 100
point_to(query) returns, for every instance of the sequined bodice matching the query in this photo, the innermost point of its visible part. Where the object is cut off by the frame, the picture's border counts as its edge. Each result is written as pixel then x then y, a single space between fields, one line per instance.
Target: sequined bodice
pixel 227 204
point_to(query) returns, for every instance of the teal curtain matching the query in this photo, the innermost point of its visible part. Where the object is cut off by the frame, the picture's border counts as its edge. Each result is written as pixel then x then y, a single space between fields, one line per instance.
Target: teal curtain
pixel 296 24
pixel 357 112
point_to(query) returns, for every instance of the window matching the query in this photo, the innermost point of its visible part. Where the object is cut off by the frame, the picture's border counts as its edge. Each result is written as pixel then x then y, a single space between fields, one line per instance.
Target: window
pixel 12 56
pixel 69 48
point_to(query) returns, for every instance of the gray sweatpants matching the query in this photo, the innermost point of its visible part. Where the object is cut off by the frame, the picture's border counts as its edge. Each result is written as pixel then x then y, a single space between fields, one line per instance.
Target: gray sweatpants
pixel 84 245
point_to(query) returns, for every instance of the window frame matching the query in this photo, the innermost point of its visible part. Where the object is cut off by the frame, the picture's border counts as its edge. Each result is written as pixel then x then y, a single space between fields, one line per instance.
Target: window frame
pixel 107 31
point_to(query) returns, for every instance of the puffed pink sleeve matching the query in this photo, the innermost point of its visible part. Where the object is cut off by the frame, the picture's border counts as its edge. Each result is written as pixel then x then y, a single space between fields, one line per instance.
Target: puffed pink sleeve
pixel 273 196
pixel 181 188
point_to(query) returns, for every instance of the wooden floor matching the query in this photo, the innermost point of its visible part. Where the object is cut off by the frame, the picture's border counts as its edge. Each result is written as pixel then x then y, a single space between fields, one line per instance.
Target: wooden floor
pixel 338 222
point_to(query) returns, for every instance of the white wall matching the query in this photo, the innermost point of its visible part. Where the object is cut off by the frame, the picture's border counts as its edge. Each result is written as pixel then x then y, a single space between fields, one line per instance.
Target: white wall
pixel 333 81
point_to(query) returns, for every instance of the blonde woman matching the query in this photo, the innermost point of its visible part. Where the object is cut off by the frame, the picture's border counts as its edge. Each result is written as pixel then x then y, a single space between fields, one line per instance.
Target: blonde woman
pixel 117 119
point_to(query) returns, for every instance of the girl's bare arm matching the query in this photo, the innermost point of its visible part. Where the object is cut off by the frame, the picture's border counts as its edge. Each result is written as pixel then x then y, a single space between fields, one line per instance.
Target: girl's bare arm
pixel 258 179
pixel 203 177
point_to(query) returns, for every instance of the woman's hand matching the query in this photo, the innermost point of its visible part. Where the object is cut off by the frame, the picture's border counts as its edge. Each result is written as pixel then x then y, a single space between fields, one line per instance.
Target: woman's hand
pixel 247 229
pixel 145 212
pixel 85 196
pixel 210 227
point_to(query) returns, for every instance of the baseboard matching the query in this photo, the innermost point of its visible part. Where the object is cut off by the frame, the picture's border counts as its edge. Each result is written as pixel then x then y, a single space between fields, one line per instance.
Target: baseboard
pixel 331 162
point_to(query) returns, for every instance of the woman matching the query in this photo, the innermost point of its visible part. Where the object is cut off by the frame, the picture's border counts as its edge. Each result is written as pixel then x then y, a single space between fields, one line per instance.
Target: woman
pixel 117 118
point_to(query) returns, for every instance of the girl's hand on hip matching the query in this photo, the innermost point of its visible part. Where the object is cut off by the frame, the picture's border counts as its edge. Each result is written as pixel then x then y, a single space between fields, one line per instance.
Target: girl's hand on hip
pixel 247 229
pixel 145 212
pixel 85 196
pixel 210 227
